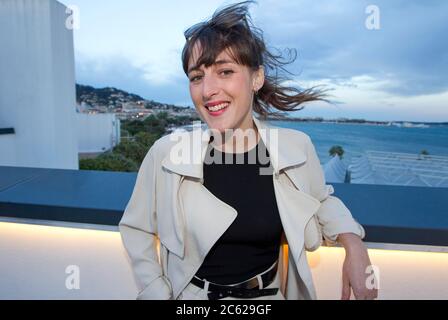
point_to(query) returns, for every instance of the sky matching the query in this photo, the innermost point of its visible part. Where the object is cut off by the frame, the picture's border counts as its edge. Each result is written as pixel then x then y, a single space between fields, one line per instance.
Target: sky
pixel 387 63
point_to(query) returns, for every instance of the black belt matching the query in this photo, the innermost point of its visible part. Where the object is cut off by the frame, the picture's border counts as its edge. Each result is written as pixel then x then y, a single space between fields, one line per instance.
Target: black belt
pixel 246 289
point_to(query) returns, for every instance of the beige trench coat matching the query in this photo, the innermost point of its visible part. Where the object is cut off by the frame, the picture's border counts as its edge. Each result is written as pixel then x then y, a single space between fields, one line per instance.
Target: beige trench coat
pixel 172 221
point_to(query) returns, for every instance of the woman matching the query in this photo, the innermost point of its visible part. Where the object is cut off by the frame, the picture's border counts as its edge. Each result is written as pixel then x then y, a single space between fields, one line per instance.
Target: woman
pixel 199 225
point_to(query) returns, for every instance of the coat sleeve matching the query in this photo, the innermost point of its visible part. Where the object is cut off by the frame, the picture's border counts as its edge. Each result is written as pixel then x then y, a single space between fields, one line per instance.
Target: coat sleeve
pixel 138 229
pixel 333 216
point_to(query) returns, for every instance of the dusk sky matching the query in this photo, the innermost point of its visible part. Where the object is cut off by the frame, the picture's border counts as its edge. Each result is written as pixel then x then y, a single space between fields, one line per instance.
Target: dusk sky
pixel 396 72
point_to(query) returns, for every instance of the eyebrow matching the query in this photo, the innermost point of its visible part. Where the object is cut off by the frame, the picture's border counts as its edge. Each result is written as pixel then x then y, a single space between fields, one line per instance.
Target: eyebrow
pixel 217 62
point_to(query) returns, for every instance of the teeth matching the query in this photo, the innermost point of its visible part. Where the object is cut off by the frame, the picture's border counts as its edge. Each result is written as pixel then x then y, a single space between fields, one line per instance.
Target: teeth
pixel 218 107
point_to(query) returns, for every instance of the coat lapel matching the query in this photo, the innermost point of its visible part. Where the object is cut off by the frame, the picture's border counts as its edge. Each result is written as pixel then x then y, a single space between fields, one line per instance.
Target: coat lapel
pixel 195 215
pixel 206 216
pixel 296 209
pixel 284 150
pixel 170 223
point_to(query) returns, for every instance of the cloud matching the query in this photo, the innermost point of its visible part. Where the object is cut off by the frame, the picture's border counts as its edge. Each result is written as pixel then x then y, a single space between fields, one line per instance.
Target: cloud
pixel 332 41
pixel 367 99
pixel 375 74
pixel 144 80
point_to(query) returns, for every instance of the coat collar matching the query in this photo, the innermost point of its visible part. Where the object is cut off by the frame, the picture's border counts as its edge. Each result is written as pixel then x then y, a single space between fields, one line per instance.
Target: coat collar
pixel 187 155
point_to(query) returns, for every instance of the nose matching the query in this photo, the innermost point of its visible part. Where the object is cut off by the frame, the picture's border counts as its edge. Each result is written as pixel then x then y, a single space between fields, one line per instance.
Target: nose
pixel 210 87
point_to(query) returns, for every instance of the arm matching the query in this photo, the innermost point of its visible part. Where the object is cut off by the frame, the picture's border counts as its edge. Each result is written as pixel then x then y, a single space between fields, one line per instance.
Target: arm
pixel 338 225
pixel 355 271
pixel 138 229
pixel 334 217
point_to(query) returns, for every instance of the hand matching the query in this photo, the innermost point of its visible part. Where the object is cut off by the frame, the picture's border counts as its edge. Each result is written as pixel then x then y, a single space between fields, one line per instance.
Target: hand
pixel 354 275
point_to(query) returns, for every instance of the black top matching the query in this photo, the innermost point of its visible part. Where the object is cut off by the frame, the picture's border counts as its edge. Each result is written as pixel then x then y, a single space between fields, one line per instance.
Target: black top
pixel 251 244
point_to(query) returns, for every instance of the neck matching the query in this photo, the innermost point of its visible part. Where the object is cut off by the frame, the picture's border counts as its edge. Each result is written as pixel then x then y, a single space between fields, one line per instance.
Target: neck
pixel 239 140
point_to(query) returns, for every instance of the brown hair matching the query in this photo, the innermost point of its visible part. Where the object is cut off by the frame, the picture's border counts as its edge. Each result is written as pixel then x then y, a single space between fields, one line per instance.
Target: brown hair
pixel 232 28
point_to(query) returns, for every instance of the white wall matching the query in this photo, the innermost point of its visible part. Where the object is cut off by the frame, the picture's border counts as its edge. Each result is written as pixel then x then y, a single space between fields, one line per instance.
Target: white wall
pixel 403 274
pixel 34 259
pixel 97 132
pixel 37 85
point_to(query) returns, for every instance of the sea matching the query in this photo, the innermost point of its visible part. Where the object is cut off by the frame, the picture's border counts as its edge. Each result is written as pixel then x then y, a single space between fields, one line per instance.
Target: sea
pixel 356 139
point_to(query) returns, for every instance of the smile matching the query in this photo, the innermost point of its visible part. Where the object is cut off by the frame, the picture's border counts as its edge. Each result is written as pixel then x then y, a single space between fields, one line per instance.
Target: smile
pixel 217 109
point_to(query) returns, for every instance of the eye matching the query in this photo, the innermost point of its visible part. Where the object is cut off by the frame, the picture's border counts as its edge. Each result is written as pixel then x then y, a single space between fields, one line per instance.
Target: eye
pixel 226 72
pixel 195 78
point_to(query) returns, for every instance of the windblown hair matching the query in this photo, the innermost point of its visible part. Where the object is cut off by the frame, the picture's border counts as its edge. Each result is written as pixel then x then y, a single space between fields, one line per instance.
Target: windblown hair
pixel 231 29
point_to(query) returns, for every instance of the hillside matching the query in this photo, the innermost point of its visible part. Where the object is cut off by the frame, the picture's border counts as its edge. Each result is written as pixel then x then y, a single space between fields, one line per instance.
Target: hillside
pixel 113 98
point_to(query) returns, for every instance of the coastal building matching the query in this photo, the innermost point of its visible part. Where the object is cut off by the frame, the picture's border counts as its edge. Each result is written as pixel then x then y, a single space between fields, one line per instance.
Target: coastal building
pixel 132 106
pixel 395 168
pixel 97 133
pixel 335 170
pixel 389 168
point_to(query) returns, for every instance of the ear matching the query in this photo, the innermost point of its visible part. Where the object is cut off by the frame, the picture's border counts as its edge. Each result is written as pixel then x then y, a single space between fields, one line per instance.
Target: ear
pixel 258 79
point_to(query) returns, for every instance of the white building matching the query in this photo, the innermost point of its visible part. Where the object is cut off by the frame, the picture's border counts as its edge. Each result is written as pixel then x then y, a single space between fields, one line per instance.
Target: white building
pixel 335 170
pixel 97 132
pixel 397 168
pixel 37 85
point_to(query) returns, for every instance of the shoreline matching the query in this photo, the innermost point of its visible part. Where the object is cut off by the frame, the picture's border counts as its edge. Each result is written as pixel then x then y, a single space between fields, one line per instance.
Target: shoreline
pixel 401 123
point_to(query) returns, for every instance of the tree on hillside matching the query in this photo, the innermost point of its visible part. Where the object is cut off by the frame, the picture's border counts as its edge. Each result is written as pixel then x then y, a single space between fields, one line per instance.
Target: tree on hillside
pixel 336 150
pixel 109 162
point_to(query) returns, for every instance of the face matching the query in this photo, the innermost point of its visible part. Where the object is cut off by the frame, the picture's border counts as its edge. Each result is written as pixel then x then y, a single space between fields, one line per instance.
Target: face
pixel 223 92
